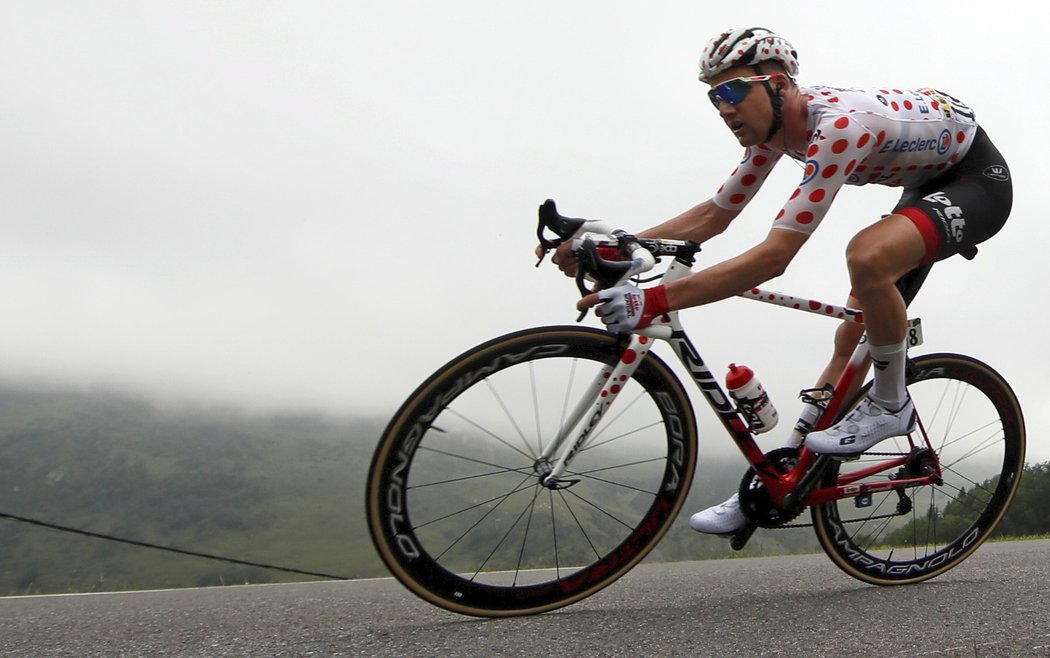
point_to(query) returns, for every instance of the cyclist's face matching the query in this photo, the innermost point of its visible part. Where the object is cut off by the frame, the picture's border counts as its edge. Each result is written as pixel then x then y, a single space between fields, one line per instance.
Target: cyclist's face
pixel 751 118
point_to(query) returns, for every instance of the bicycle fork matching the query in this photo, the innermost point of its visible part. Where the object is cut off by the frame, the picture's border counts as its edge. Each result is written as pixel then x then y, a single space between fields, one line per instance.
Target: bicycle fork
pixel 589 411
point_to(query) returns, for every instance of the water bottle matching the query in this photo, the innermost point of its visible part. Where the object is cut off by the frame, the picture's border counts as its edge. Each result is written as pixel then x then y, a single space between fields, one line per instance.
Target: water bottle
pixel 751 399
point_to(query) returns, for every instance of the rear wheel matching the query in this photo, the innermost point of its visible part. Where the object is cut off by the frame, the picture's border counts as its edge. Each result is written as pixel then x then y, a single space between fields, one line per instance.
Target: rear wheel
pixel 456 503
pixel 975 431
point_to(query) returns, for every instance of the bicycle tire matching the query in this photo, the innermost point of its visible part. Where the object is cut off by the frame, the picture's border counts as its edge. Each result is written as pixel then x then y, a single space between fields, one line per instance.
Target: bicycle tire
pixel 975 425
pixel 457 511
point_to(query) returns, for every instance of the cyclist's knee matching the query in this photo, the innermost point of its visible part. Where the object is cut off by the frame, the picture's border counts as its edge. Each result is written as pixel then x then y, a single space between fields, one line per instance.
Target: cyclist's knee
pixel 883 252
pixel 867 259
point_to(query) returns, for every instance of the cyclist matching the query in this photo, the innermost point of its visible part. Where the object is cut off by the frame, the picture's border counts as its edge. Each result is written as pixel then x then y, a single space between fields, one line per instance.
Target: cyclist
pixel 956 194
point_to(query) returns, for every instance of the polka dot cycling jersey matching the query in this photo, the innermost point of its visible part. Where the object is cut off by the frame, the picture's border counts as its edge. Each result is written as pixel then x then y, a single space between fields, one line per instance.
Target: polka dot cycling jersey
pixel 856 137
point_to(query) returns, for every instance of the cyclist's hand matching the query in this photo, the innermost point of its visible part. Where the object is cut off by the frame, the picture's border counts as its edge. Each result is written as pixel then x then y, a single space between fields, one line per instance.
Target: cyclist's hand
pixel 626 307
pixel 563 258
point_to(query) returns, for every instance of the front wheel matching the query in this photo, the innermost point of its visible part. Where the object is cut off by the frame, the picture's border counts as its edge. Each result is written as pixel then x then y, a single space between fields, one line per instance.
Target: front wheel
pixel 456 503
pixel 970 418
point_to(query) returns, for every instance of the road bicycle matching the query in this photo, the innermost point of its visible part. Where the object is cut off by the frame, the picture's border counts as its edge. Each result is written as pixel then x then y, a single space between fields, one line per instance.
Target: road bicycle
pixel 537 468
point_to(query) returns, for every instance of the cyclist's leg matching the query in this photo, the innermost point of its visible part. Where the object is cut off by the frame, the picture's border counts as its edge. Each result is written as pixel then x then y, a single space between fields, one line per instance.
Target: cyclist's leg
pixel 949 215
pixel 845 342
pixel 877 258
pixel 849 333
pixel 846 338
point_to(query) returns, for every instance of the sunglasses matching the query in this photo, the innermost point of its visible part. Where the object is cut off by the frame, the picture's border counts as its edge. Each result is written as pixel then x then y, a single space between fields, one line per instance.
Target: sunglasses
pixel 734 91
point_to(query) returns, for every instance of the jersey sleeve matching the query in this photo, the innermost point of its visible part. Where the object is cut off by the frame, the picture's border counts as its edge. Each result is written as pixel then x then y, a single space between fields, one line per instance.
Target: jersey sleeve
pixel 839 144
pixel 747 178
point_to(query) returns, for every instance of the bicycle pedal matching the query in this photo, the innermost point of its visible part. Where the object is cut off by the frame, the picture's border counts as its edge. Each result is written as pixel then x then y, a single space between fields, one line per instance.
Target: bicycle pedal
pixel 741 537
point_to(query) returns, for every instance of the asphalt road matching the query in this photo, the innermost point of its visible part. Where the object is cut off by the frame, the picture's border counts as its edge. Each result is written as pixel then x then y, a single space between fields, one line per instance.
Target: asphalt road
pixel 997 603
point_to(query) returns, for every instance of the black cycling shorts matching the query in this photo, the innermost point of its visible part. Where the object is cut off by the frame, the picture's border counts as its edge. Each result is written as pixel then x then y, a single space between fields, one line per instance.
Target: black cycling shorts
pixel 965 205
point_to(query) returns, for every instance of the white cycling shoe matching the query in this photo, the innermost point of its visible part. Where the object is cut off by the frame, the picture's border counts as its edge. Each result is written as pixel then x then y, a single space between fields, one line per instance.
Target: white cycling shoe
pixel 722 519
pixel 864 427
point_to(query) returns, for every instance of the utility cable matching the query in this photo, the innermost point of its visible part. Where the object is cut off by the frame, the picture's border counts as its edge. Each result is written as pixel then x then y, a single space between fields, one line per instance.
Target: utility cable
pixel 180 551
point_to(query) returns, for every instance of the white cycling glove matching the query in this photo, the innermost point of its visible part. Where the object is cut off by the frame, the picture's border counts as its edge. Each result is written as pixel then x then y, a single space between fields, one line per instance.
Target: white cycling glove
pixel 626 307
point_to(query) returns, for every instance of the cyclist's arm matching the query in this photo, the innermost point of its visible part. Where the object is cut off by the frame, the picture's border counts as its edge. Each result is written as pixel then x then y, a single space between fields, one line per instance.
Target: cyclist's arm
pixel 708 219
pixel 766 260
pixel 846 143
pixel 699 223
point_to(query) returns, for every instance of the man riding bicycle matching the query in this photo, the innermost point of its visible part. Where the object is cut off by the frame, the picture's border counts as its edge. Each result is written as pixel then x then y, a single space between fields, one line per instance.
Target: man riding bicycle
pixel 956 194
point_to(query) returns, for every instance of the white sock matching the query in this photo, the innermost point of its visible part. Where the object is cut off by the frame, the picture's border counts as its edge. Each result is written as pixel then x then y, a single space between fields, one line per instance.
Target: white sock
pixel 888 389
pixel 810 414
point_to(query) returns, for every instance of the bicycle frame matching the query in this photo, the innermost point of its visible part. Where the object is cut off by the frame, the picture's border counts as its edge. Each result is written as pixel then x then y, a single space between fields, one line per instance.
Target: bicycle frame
pixel 796 487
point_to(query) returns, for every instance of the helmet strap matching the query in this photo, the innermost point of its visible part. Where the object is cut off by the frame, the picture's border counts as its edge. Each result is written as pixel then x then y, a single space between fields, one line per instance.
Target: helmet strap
pixel 778 105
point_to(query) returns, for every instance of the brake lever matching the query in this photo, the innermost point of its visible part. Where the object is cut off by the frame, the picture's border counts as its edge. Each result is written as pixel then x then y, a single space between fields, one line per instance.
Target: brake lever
pixel 583 293
pixel 563 227
pixel 606 273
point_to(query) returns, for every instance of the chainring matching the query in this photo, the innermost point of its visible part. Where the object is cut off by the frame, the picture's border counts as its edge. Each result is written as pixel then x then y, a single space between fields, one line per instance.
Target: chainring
pixel 755 501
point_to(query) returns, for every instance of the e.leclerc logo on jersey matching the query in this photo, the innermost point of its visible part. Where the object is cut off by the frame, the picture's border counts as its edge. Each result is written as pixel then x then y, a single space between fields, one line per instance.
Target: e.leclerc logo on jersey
pixel 941 144
pixel 944 142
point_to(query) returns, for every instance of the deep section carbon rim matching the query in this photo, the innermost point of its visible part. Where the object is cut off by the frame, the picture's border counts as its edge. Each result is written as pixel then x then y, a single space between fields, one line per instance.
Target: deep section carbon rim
pixel 456 504
pixel 974 425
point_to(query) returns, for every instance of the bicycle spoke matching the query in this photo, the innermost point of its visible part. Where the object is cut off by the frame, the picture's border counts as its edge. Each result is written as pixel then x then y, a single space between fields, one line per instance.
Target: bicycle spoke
pixel 554 534
pixel 504 538
pixel 579 525
pixel 567 394
pixel 601 509
pixel 536 409
pixel 991 443
pixel 618 437
pixel 502 499
pixel 490 433
pixel 510 417
pixel 525 535
pixel 621 485
pixel 522 470
pixel 624 465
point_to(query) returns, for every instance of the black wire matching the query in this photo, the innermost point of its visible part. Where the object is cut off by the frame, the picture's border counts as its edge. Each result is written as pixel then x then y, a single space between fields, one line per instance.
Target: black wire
pixel 180 551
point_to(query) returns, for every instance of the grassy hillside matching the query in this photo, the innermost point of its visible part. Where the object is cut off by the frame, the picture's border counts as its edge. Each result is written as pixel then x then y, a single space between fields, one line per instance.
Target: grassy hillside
pixel 281 490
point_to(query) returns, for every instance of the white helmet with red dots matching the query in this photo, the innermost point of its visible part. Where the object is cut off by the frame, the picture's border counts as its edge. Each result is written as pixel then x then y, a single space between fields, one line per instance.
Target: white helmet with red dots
pixel 746 47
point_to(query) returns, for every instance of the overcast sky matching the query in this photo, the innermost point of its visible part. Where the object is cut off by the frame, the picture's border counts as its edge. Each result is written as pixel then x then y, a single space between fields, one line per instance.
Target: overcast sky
pixel 313 205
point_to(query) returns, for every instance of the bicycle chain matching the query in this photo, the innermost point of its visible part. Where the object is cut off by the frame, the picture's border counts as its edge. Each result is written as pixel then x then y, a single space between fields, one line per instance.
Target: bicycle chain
pixel 758 507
